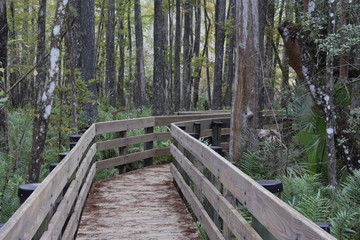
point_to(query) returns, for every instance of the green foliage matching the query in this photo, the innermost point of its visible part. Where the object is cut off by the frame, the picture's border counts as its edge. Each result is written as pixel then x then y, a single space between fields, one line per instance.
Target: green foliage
pixel 201 231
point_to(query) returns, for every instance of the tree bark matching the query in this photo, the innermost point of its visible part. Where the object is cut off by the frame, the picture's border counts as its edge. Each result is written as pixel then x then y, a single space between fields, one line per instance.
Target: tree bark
pixel 177 83
pixel 88 59
pixel 220 10
pixel 41 122
pixel 185 99
pixel 196 78
pixel 4 145
pixel 139 89
pixel 132 96
pixel 110 86
pixel 247 58
pixel 159 68
pixel 230 52
pixel 121 42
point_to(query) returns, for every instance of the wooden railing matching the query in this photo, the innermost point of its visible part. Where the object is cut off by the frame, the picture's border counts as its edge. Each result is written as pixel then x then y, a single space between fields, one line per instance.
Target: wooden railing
pixel 206 178
pixel 53 210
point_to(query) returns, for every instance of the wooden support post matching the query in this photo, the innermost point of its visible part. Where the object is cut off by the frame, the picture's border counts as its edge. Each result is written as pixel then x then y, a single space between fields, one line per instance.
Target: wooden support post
pixel 148 146
pixel 276 188
pixel 122 150
pixel 228 235
pixel 216 133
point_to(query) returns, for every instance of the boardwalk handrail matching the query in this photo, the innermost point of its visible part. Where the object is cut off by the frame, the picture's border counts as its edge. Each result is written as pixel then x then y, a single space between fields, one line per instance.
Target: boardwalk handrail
pixel 192 156
pixel 53 210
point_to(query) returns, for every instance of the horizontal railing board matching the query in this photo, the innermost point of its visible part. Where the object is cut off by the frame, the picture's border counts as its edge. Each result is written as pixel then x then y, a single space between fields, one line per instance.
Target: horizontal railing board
pixel 167 120
pixel 205 124
pixel 233 219
pixel 278 217
pixel 211 230
pixel 202 112
pixel 208 132
pixel 58 220
pixel 131 140
pixel 73 223
pixel 124 125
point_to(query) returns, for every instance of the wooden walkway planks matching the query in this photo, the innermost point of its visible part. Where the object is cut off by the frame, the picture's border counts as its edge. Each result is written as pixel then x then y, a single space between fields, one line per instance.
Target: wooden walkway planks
pixel 142 204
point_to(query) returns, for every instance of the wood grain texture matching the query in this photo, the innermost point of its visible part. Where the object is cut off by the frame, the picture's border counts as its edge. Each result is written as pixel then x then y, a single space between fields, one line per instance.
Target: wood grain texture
pixel 73 223
pixel 57 222
pixel 124 125
pixel 211 230
pixel 167 120
pixel 278 217
pixel 233 219
pixel 142 204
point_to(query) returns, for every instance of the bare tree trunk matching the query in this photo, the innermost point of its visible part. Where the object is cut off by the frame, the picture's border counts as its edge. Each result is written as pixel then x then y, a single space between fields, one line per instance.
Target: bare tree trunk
pixel 158 74
pixel 139 89
pixel 185 99
pixel 230 51
pixel 169 95
pixel 219 52
pixel 207 22
pixel 132 96
pixel 343 61
pixel 177 85
pixel 41 122
pixel 329 98
pixel 121 41
pixel 110 86
pixel 88 59
pixel 247 58
pixel 197 70
pixel 4 145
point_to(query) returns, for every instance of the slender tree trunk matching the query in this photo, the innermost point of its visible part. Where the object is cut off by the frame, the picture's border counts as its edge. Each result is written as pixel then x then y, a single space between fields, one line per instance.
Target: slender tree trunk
pixel 100 30
pixel 230 52
pixel 169 96
pixel 344 59
pixel 247 58
pixel 139 89
pixel 158 77
pixel 132 93
pixel 185 99
pixel 329 98
pixel 110 86
pixel 41 50
pixel 121 41
pixel 177 83
pixel 41 122
pixel 197 70
pixel 220 10
pixel 207 22
pixel 88 59
pixel 4 145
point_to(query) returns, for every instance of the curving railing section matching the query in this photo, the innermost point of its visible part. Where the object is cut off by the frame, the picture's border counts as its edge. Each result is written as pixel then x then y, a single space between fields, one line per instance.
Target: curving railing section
pixel 54 209
pixel 214 187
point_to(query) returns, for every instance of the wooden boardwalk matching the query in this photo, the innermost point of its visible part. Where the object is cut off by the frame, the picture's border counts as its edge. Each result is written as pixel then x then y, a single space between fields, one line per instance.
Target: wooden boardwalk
pixel 142 204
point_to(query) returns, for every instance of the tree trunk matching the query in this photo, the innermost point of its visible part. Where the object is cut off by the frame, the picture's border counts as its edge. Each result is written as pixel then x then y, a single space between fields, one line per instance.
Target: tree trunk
pixel 185 99
pixel 220 10
pixel 343 61
pixel 207 23
pixel 177 83
pixel 230 50
pixel 247 58
pixel 158 77
pixel 121 41
pixel 329 98
pixel 41 122
pixel 4 145
pixel 88 59
pixel 139 89
pixel 110 86
pixel 132 96
pixel 197 70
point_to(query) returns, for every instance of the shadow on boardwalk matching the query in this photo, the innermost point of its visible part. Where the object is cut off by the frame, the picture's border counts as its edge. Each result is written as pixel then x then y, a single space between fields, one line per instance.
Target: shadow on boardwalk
pixel 142 204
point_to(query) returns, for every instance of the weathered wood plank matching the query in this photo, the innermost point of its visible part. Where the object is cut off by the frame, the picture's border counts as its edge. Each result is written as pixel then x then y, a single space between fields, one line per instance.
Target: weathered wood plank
pixel 201 214
pixel 167 120
pixel 120 160
pixel 202 112
pixel 28 218
pixel 278 217
pixel 207 132
pixel 73 223
pixel 124 125
pixel 237 224
pixel 159 152
pixel 58 220
pixel 124 142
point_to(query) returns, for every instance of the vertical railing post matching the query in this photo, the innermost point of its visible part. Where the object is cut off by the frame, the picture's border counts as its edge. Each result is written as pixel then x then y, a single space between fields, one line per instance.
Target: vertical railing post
pixel 122 150
pixel 275 187
pixel 148 146
pixel 216 133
